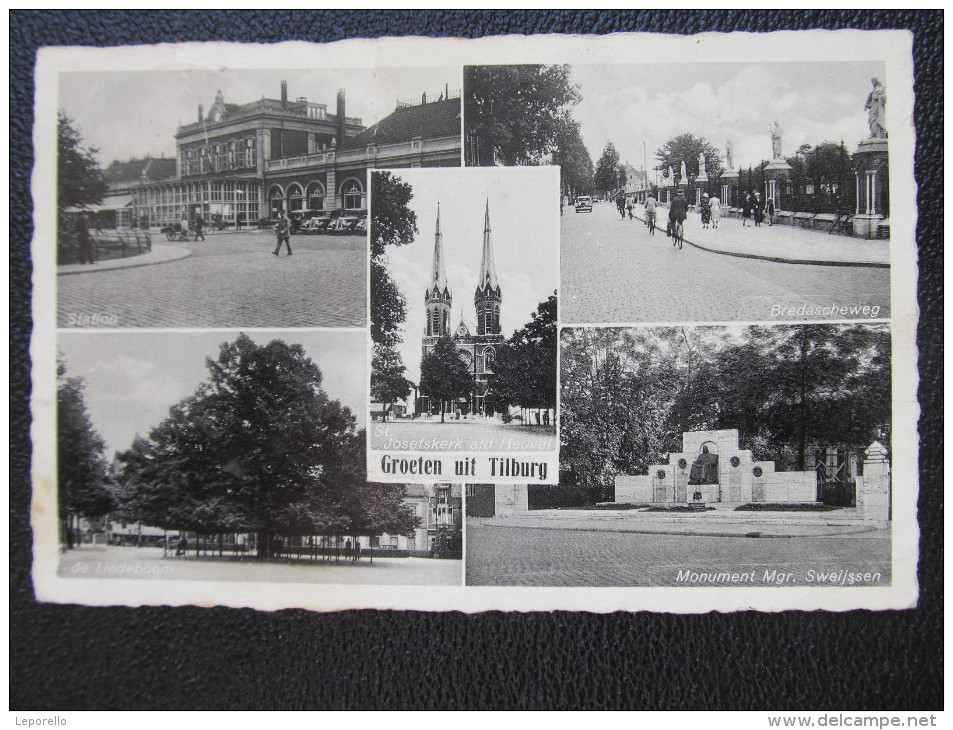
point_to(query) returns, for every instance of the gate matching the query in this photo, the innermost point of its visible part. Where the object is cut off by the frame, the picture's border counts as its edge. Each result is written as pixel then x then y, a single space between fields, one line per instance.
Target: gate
pixel 837 472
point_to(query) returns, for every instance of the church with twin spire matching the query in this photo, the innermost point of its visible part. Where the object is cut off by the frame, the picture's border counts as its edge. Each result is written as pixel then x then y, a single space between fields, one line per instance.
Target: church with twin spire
pixel 476 350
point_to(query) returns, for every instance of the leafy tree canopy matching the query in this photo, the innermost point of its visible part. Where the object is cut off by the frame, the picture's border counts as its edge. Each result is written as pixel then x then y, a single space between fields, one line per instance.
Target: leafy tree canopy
pixel 606 178
pixel 687 147
pixel 524 372
pixel 518 109
pixel 443 376
pixel 80 180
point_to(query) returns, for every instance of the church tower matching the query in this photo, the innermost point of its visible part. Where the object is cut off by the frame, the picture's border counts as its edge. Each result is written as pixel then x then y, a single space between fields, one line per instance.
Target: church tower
pixel 438 298
pixel 488 296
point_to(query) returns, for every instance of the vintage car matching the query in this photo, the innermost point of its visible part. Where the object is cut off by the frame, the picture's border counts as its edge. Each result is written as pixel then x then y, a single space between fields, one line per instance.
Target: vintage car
pixel 584 204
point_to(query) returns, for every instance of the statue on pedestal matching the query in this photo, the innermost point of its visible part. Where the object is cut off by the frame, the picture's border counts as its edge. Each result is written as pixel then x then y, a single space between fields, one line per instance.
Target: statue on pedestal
pixel 684 174
pixel 776 141
pixel 704 469
pixel 876 110
pixel 701 164
pixel 671 175
pixel 729 157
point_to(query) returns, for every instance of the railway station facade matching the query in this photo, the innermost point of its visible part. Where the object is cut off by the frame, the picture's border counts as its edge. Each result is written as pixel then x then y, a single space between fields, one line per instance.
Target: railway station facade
pixel 238 164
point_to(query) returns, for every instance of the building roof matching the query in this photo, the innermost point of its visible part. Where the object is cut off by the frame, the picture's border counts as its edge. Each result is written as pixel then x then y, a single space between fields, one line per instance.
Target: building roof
pixel 152 168
pixel 427 120
pixel 487 265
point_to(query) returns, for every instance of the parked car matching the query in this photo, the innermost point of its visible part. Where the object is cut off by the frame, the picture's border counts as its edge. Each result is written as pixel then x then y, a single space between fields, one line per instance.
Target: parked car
pixel 348 225
pixel 314 225
pixel 584 204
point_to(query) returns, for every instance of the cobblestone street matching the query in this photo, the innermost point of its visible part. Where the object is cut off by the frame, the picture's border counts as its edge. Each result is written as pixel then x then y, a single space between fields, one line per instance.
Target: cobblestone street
pixel 613 271
pixel 517 556
pixel 230 280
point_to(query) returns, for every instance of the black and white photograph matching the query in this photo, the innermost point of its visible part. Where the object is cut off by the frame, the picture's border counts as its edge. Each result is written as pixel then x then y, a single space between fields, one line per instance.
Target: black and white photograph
pixel 235 457
pixel 233 198
pixel 703 192
pixel 729 456
pixel 464 273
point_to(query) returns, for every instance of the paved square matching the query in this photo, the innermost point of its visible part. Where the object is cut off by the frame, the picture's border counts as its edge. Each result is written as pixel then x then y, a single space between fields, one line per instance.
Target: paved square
pixel 230 280
pixel 502 555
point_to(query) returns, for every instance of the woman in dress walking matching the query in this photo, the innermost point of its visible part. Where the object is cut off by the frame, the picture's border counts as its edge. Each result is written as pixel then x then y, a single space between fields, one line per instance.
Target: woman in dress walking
pixel 746 210
pixel 715 205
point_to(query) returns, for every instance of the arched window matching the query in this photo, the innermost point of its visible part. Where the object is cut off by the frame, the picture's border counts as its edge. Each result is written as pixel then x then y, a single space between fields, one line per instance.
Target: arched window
pixel 295 199
pixel 315 196
pixel 489 355
pixel 276 197
pixel 351 193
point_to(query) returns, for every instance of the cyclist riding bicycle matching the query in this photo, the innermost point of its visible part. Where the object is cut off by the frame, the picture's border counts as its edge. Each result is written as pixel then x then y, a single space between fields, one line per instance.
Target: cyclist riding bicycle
pixel 620 203
pixel 677 214
pixel 651 204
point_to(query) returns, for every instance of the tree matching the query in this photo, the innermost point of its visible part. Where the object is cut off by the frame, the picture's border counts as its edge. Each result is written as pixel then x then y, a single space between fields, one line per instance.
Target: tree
pixel 606 178
pixel 687 147
pixel 388 384
pixel 393 223
pixel 570 153
pixel 513 113
pixel 259 447
pixel 83 488
pixel 80 180
pixel 443 375
pixel 524 372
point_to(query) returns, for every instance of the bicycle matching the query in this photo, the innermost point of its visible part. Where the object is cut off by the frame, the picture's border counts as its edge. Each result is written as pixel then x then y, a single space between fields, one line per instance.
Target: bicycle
pixel 650 222
pixel 678 235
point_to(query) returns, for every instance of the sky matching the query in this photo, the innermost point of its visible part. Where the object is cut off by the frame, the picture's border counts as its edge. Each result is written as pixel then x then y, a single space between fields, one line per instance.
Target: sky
pixel 813 103
pixel 524 224
pixel 136 113
pixel 133 378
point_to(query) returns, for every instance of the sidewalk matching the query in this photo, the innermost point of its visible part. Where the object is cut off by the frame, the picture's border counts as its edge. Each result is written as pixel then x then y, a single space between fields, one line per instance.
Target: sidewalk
pixel 161 253
pixel 717 523
pixel 779 243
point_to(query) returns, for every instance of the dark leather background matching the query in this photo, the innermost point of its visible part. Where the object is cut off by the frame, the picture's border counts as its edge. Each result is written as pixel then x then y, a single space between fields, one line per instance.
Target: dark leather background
pixel 70 657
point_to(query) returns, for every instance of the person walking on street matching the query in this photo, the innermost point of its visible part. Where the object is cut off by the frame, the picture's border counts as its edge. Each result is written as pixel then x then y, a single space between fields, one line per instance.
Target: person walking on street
pixel 746 210
pixel 199 228
pixel 184 229
pixel 715 204
pixel 758 210
pixel 357 551
pixel 283 231
pixel 770 211
pixel 705 210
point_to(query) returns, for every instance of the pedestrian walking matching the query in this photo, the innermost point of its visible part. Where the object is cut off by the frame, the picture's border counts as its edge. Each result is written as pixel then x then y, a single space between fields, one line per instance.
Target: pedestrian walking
pixel 758 210
pixel 705 211
pixel 283 232
pixel 184 229
pixel 357 551
pixel 746 209
pixel 715 204
pixel 199 228
pixel 85 240
pixel 770 211
pixel 347 549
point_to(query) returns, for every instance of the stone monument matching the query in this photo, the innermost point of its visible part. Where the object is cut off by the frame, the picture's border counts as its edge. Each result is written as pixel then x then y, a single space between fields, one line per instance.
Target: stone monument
pixel 711 468
pixel 871 167
pixel 729 177
pixel 683 175
pixel 777 170
pixel 701 182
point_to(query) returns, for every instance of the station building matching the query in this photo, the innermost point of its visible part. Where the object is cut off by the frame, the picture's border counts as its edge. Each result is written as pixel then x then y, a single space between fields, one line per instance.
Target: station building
pixel 238 164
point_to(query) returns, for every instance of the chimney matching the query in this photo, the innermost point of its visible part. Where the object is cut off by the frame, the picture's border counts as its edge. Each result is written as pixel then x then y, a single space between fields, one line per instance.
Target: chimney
pixel 284 92
pixel 201 112
pixel 341 117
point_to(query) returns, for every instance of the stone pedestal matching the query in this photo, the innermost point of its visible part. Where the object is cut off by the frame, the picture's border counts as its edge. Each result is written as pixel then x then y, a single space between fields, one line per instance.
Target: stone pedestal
pixel 874 488
pixel 872 173
pixel 701 184
pixel 775 173
pixel 729 184
pixel 511 499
